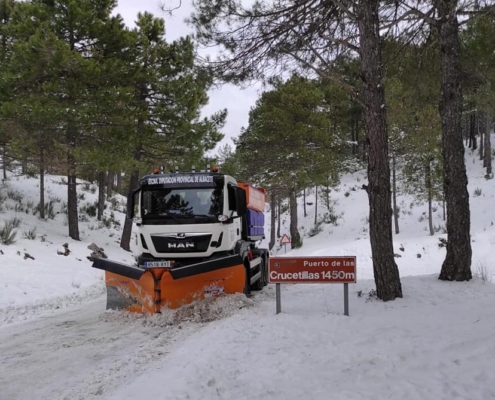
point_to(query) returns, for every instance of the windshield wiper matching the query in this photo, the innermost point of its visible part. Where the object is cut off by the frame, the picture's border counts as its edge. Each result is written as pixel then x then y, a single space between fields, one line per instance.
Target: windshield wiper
pixel 208 217
pixel 178 217
pixel 171 216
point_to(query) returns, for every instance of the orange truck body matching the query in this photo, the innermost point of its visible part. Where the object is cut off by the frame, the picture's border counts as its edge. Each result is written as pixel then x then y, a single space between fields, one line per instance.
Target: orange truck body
pixel 255 197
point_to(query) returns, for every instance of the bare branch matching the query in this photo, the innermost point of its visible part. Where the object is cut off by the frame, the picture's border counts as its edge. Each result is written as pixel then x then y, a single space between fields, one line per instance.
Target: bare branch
pixel 170 10
pixel 427 16
pixel 330 75
pixel 343 42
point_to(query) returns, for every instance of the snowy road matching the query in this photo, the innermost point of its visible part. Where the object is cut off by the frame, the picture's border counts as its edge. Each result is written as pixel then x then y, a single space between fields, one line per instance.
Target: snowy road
pixel 82 352
pixel 436 343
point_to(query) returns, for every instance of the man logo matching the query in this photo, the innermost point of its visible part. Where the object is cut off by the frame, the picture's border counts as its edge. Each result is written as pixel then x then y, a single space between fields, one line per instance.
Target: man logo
pixel 187 245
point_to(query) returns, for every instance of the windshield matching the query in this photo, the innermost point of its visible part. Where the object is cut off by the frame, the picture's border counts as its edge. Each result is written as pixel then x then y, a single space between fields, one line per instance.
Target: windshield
pixel 182 202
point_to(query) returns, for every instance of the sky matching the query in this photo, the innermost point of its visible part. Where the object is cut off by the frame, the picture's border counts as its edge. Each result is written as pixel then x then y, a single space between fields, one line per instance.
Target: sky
pixel 237 101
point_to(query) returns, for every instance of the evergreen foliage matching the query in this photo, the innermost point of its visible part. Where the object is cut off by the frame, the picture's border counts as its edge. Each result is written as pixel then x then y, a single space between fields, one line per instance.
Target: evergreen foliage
pixel 82 94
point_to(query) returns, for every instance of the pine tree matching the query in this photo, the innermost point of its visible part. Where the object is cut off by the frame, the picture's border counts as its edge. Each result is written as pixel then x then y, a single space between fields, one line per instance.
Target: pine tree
pixel 289 144
pixel 34 111
pixel 266 39
pixel 109 96
pixel 54 50
pixel 7 127
pixel 457 263
pixel 478 56
pixel 412 96
pixel 167 91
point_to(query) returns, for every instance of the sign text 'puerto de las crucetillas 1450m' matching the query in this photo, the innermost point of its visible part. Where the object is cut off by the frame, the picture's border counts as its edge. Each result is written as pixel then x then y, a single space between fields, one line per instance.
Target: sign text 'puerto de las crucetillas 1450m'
pixel 312 269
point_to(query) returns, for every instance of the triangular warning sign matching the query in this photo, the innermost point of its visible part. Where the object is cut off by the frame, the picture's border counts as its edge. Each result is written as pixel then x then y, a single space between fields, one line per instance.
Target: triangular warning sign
pixel 285 239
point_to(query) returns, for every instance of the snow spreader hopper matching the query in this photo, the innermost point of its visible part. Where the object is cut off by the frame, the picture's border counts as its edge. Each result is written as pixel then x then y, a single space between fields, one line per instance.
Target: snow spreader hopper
pixel 197 236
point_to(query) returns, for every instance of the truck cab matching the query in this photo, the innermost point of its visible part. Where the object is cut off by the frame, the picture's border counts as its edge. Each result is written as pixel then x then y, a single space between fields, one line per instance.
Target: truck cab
pixel 187 215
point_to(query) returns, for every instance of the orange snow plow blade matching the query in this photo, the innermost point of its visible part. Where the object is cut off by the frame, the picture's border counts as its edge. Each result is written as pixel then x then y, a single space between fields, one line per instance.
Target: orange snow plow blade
pixel 139 290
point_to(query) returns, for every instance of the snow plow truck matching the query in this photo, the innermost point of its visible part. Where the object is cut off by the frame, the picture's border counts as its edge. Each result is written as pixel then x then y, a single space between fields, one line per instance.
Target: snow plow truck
pixel 198 236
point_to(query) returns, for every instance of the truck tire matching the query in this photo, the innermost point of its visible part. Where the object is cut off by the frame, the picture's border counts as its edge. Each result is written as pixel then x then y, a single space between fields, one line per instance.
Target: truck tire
pixel 267 263
pixel 260 283
pixel 247 283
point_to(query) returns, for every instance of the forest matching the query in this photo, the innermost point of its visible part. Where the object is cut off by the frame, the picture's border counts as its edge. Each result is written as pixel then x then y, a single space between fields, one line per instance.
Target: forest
pixel 82 95
pixel 398 88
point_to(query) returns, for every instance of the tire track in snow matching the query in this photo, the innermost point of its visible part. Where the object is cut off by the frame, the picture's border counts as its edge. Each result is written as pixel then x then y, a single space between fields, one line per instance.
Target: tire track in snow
pixel 82 352
pixel 14 314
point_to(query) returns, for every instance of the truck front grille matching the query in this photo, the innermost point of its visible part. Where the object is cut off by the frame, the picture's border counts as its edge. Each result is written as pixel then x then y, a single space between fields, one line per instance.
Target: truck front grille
pixel 185 244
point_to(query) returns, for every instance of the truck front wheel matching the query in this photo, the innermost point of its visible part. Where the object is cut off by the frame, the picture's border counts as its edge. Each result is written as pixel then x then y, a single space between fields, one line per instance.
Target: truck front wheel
pixel 266 262
pixel 261 283
pixel 247 282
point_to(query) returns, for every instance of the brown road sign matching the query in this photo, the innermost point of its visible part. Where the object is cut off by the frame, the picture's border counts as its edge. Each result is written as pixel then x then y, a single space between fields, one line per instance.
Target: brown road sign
pixel 312 269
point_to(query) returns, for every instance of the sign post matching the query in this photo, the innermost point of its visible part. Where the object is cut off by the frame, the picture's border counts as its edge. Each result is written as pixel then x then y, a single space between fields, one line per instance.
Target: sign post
pixel 285 240
pixel 278 298
pixel 312 270
pixel 346 299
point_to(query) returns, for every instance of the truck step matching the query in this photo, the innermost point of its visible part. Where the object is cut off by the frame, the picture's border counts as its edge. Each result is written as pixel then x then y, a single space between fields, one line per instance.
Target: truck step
pixel 255 262
pixel 255 277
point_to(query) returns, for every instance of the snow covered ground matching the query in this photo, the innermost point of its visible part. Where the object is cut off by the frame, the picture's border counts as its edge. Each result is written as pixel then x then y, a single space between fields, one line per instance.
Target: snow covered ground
pixel 58 342
pixel 51 281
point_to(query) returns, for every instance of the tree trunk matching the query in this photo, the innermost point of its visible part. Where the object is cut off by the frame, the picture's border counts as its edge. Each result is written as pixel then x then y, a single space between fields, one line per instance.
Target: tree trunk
pixel 354 134
pixel 125 241
pixel 304 203
pixel 444 215
pixel 316 205
pixel 488 146
pixel 91 176
pixel 42 183
pixel 118 188
pixel 328 201
pixel 465 121
pixel 429 191
pixel 4 160
pixel 472 129
pixel 351 125
pixel 279 218
pixel 24 164
pixel 110 183
pixel 386 273
pixel 457 263
pixel 356 130
pixel 481 131
pixel 394 198
pixel 294 233
pixel 365 151
pixel 273 219
pixel 101 194
pixel 72 196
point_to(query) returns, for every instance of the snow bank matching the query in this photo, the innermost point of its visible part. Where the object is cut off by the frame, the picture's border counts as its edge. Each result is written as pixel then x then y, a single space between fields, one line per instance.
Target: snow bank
pixel 33 277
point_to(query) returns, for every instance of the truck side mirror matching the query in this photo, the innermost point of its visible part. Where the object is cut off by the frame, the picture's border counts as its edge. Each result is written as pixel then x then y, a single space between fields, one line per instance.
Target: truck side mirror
pixel 240 201
pixel 131 203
